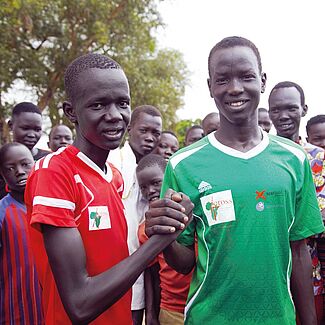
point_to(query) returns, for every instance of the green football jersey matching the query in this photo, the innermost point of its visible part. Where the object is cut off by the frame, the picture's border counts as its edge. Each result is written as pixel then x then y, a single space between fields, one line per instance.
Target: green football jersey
pixel 248 207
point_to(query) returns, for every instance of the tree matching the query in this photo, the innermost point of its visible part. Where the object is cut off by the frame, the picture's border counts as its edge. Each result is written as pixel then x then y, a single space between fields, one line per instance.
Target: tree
pixel 39 38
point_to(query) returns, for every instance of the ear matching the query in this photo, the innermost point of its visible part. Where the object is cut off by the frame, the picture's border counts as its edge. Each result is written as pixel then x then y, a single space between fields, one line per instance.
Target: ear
pixel 263 78
pixel 10 125
pixel 209 85
pixel 304 110
pixel 69 112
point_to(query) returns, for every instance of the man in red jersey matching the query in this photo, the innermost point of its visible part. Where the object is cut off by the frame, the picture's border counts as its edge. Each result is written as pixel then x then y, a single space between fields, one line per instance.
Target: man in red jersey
pixel 74 201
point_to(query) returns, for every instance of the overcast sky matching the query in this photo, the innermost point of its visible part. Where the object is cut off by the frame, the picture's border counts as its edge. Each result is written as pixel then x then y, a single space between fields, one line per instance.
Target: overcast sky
pixel 290 36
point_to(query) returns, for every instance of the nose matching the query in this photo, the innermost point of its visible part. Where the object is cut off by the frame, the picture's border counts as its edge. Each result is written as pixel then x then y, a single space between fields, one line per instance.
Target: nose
pixel 112 113
pixel 149 137
pixel 283 115
pixel 151 189
pixel 235 87
pixel 20 170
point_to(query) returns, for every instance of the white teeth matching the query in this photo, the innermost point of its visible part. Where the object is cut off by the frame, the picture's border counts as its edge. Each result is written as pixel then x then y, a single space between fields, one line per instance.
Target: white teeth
pixel 112 132
pixel 24 181
pixel 236 104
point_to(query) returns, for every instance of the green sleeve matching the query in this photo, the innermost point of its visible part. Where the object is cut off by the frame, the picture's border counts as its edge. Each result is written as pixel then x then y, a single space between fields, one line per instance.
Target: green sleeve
pixel 307 221
pixel 187 237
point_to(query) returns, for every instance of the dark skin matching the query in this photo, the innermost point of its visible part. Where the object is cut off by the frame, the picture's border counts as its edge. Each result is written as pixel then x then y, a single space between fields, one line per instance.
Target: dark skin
pixel 101 114
pixel 235 84
pixel 17 164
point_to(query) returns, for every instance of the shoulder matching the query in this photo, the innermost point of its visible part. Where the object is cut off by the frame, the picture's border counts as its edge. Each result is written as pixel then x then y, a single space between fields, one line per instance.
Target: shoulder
pixel 4 204
pixel 288 147
pixel 192 151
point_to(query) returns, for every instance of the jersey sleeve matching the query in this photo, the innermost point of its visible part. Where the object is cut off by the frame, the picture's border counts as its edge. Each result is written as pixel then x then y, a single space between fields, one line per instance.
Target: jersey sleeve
pixel 187 237
pixel 51 198
pixel 307 220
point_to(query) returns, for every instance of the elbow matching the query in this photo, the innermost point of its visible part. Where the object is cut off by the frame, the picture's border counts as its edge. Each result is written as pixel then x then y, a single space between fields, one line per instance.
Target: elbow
pixel 77 316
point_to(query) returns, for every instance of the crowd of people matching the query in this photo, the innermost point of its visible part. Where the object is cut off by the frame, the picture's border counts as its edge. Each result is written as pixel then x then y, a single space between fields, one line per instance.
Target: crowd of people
pixel 225 228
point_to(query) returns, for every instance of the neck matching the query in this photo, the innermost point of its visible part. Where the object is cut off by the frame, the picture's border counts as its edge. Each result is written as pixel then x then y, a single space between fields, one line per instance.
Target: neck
pixel 138 157
pixel 239 137
pixel 96 154
pixel 18 196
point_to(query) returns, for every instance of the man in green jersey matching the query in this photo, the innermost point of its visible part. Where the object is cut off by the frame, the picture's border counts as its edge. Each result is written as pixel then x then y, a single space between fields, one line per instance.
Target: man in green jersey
pixel 255 204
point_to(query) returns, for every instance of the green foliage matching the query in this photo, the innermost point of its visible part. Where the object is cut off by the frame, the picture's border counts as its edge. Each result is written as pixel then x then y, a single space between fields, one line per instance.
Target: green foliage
pixel 182 126
pixel 39 38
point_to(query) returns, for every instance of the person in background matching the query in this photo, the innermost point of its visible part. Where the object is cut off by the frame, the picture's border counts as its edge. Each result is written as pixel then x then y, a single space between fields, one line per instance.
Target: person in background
pixel 211 123
pixel 286 108
pixel 20 291
pixel 254 206
pixel 60 136
pixel 26 126
pixel 144 133
pixel 166 290
pixel 316 131
pixel 167 145
pixel 193 134
pixel 264 120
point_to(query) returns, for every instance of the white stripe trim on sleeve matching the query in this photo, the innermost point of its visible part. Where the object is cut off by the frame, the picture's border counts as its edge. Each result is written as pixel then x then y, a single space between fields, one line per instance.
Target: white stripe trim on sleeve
pixel 53 202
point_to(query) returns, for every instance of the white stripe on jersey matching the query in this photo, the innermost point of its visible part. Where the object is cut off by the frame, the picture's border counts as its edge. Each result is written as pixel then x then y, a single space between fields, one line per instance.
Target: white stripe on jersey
pixel 179 157
pixel 53 202
pixel 298 153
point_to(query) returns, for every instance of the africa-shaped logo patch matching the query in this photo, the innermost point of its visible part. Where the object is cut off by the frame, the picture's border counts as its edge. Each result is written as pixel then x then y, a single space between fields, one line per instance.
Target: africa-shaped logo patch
pixel 99 218
pixel 218 207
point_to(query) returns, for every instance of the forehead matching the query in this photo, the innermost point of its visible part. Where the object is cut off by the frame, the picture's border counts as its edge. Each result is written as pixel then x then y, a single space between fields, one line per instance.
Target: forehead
pixel 61 129
pixel 95 82
pixel 285 96
pixel 147 174
pixel 28 119
pixel 15 154
pixel 233 58
pixel 195 132
pixel 148 120
pixel 167 137
pixel 318 128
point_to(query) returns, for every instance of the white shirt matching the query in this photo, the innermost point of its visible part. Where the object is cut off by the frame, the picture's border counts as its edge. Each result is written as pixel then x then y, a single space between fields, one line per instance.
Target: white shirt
pixel 135 207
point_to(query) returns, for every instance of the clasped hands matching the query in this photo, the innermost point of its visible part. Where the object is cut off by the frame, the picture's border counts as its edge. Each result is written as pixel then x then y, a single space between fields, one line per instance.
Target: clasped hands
pixel 169 215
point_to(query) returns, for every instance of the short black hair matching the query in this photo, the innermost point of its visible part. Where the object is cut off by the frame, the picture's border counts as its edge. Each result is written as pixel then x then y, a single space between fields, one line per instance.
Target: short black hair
pixel 25 107
pixel 152 160
pixel 209 116
pixel 262 109
pixel 315 120
pixel 169 132
pixel 289 84
pixel 193 127
pixel 82 63
pixel 233 41
pixel 5 148
pixel 55 127
pixel 147 109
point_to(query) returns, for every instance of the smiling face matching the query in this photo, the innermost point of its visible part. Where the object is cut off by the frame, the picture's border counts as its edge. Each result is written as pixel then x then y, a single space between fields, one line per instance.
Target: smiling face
pixel 286 110
pixel 144 134
pixel 316 135
pixel 167 145
pixel 236 84
pixel 17 164
pixel 61 136
pixel 101 111
pixel 26 128
pixel 150 180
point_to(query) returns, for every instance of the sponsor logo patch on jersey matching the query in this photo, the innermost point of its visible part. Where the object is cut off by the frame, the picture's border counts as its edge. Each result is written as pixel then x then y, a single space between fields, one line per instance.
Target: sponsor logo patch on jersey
pixel 204 186
pixel 99 218
pixel 218 207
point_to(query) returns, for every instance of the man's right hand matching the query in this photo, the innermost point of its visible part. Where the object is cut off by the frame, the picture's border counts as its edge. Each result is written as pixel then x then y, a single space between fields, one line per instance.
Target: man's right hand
pixel 169 215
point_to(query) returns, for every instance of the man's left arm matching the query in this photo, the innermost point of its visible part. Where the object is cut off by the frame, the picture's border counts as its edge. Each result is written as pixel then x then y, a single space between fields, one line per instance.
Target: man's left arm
pixel 301 283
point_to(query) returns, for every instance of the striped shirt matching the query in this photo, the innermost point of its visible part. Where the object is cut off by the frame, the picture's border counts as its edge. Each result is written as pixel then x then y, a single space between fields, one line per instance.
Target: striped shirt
pixel 20 293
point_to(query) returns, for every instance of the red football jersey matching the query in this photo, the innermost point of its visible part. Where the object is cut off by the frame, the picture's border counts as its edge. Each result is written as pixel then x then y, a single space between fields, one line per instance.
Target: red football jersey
pixel 67 189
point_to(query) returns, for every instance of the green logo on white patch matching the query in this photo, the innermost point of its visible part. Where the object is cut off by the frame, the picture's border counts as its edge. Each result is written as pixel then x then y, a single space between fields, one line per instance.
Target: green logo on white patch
pixel 99 218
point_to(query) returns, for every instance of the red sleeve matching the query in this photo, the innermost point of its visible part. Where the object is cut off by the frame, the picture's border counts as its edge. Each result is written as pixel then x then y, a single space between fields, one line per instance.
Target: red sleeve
pixel 117 180
pixel 51 198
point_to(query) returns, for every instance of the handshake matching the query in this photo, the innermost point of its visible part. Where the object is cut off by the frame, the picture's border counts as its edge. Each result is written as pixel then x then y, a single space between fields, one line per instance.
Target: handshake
pixel 169 215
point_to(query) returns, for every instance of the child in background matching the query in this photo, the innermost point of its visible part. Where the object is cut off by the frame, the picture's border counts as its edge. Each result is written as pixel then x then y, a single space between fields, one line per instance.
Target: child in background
pixel 20 293
pixel 174 286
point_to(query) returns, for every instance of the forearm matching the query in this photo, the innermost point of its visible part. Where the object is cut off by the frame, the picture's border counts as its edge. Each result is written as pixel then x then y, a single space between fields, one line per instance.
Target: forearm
pixel 302 286
pixel 85 298
pixel 180 258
